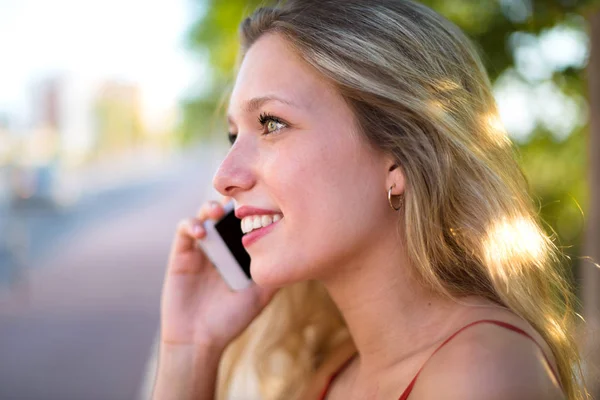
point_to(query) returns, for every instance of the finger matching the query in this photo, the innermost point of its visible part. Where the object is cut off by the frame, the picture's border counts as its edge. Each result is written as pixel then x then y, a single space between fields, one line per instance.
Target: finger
pixel 188 232
pixel 225 200
pixel 203 212
pixel 210 210
pixel 216 211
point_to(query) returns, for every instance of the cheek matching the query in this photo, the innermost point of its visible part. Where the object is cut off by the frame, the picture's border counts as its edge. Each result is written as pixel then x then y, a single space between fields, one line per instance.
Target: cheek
pixel 304 178
pixel 306 185
pixel 327 188
pixel 318 179
pixel 326 193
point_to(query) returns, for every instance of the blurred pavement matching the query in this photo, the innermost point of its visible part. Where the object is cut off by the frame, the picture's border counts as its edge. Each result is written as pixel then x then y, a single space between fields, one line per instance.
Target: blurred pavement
pixel 80 322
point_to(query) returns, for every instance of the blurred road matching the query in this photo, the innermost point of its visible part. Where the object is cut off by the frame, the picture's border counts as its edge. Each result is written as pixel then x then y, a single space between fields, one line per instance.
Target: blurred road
pixel 80 322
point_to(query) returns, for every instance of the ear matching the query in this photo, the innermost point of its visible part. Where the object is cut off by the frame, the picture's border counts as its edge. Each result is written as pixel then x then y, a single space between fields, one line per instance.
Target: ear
pixel 395 177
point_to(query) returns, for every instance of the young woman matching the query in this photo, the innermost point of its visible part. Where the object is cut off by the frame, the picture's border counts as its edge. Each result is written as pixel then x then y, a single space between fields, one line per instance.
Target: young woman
pixel 408 257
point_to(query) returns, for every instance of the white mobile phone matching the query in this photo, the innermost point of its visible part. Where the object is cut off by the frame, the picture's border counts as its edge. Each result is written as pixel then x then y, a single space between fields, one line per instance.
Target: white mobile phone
pixel 223 246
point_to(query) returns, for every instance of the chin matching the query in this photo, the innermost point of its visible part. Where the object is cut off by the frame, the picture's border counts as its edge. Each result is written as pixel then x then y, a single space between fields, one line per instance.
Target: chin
pixel 271 275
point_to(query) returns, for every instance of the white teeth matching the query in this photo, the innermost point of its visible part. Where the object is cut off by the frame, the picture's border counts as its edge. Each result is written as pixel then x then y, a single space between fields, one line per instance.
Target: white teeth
pixel 258 221
pixel 246 225
pixel 266 220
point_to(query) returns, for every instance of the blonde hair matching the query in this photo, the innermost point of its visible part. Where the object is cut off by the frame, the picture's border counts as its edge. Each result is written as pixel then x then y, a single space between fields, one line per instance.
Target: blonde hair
pixel 419 92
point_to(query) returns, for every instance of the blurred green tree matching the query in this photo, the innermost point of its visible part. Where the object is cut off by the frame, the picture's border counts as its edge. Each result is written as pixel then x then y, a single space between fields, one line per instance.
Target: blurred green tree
pixel 590 270
pixel 214 36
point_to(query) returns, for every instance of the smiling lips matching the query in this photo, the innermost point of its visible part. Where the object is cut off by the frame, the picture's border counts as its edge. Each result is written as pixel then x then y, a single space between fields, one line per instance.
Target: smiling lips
pixel 253 222
pixel 255 218
pixel 252 233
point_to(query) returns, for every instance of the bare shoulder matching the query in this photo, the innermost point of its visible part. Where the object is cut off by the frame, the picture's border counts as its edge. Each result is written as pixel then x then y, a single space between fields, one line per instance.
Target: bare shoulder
pixel 491 362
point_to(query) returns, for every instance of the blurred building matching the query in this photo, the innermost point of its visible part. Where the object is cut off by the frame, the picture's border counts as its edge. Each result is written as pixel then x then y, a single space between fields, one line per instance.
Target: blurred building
pixel 117 117
pixel 61 110
pixel 73 121
pixel 5 155
pixel 5 140
pixel 89 119
pixel 77 128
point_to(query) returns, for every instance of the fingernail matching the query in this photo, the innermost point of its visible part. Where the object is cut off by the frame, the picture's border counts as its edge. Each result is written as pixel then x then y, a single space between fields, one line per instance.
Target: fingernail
pixel 214 205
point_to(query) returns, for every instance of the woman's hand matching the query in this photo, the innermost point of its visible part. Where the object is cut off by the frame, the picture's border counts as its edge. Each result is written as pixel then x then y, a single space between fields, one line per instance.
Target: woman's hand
pixel 200 315
pixel 198 309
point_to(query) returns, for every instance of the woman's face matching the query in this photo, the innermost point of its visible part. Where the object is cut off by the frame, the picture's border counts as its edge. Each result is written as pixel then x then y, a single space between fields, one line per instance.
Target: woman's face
pixel 297 152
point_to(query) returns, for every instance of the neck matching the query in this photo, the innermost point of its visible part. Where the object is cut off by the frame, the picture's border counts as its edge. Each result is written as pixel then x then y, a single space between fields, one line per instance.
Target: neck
pixel 389 315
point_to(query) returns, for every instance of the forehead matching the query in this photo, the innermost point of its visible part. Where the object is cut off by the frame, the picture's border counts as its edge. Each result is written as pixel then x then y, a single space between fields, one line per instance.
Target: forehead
pixel 272 68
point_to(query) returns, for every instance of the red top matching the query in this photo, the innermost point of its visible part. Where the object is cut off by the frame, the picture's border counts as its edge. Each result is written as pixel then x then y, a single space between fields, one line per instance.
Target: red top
pixel 407 391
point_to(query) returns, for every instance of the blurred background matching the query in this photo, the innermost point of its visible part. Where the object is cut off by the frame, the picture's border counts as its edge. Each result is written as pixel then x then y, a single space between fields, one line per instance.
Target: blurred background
pixel 109 135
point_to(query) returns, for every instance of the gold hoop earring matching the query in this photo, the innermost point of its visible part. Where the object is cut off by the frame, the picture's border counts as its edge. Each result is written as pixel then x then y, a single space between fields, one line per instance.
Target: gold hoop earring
pixel 390 199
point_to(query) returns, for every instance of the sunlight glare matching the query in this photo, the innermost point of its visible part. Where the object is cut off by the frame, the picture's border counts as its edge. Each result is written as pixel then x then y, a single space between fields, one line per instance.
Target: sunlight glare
pixel 511 241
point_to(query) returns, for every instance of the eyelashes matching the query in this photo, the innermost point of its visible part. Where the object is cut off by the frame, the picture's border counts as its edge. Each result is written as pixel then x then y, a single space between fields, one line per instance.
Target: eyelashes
pixel 265 117
pixel 272 123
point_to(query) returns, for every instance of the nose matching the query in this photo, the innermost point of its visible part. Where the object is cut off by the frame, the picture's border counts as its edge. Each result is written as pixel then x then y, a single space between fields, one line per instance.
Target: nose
pixel 235 172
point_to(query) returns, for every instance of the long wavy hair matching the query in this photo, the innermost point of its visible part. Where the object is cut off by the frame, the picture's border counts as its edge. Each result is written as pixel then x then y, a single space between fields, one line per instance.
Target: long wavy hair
pixel 419 92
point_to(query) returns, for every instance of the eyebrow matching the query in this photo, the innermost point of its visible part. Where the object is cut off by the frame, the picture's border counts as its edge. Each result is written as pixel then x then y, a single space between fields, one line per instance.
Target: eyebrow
pixel 256 103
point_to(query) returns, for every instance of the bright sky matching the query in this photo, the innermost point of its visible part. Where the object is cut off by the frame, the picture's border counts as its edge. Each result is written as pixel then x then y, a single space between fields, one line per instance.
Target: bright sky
pixel 136 40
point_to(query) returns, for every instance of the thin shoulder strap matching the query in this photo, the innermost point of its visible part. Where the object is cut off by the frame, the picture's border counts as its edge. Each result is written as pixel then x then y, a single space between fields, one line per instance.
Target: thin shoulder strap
pixel 486 321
